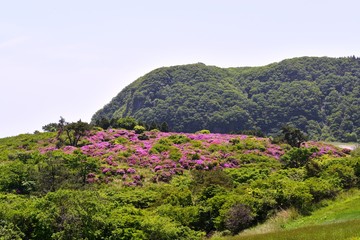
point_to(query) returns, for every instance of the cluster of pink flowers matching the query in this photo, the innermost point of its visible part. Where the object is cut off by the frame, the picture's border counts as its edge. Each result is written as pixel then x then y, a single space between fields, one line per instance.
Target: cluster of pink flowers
pixel 121 153
pixel 137 153
pixel 324 149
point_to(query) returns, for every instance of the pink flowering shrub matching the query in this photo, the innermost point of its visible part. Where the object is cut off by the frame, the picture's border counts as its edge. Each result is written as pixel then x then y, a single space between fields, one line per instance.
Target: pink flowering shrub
pixel 121 153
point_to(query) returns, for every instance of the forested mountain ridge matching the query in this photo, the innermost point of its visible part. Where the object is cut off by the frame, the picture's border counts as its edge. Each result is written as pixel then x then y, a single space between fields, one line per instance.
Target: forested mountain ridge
pixel 319 95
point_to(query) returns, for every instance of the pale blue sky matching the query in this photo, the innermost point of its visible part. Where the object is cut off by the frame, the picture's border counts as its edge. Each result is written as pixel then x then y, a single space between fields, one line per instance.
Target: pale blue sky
pixel 69 58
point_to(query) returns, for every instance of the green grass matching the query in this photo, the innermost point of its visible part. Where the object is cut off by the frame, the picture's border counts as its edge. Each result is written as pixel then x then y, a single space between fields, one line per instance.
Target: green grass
pixel 335 231
pixel 345 207
pixel 339 219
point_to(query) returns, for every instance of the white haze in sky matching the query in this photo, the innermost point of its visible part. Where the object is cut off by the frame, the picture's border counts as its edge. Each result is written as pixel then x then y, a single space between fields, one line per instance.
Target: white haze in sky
pixel 70 58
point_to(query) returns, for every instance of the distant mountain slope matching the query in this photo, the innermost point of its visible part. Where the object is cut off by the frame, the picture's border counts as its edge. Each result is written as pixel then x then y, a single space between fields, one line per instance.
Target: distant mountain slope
pixel 321 96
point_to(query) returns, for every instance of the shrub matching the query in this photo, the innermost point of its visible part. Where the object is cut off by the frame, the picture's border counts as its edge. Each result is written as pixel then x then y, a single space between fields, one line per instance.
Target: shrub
pixel 179 139
pixel 159 148
pixel 143 136
pixel 297 157
pixel 248 144
pixel 127 123
pixel 10 231
pixel 239 217
pixel 139 129
pixel 204 131
pixel 175 154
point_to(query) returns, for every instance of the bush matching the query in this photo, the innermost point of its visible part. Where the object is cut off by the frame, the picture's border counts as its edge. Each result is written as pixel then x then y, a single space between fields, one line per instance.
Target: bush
pixel 248 144
pixel 8 231
pixel 175 154
pixel 127 123
pixel 239 217
pixel 204 131
pixel 297 157
pixel 139 129
pixel 143 136
pixel 321 188
pixel 179 139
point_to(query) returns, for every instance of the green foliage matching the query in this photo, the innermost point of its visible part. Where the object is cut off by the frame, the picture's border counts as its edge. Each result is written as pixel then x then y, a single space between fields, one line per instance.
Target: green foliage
pixel 50 193
pixel 143 136
pixel 81 165
pixel 15 177
pixel 239 217
pixel 179 139
pixel 104 123
pixel 247 173
pixel 51 127
pixel 348 230
pixel 164 127
pixel 121 140
pixel 321 188
pixel 298 157
pixel 356 151
pixel 72 131
pixel 205 179
pixel 175 154
pixel 292 136
pixel 320 96
pixel 249 144
pixel 127 123
pixel 204 131
pixel 162 228
pixel 139 129
pixel 160 147
pixel 8 231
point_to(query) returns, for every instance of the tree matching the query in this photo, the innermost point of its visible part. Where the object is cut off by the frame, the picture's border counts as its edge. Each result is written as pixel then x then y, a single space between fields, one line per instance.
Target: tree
pixel 73 132
pixel 52 172
pixel 298 157
pixel 51 127
pixel 164 127
pixel 82 165
pixel 76 130
pixel 293 136
pixel 239 217
pixel 104 123
pixel 128 123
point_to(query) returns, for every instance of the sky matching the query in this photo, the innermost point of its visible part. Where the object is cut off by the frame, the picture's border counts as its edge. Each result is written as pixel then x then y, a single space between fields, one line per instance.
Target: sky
pixel 70 58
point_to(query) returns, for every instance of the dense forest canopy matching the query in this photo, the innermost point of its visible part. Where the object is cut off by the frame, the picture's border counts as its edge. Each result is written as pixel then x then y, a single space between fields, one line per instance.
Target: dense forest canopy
pixel 320 96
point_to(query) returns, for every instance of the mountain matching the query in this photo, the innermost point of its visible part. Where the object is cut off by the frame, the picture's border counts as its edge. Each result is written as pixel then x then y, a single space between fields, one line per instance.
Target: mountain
pixel 319 95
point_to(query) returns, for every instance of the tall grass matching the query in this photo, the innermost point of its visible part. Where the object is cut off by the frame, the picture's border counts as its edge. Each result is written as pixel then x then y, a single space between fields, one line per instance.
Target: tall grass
pixel 339 219
pixel 335 231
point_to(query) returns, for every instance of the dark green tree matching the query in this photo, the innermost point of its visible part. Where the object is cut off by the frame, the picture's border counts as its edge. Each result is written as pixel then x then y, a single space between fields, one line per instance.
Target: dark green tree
pixel 52 172
pixel 104 123
pixel 51 127
pixel 293 136
pixel 164 127
pixel 75 130
pixel 239 217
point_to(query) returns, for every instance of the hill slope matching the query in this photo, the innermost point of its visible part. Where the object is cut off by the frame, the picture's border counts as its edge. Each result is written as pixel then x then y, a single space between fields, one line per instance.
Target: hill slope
pixel 116 184
pixel 321 96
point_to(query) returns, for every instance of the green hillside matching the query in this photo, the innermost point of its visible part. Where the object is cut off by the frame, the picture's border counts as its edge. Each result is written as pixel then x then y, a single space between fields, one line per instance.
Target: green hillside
pixel 321 96
pixel 126 184
pixel 338 219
